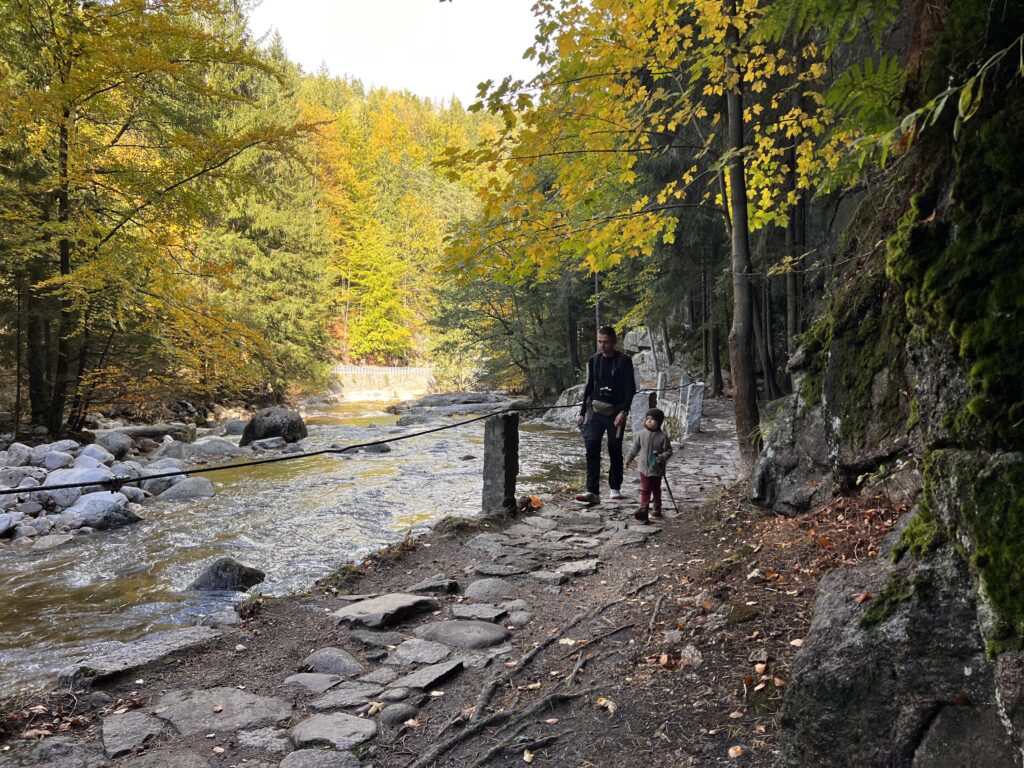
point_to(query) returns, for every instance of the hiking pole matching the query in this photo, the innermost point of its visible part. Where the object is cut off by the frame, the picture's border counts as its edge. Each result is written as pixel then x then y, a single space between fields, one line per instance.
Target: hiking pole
pixel 671 497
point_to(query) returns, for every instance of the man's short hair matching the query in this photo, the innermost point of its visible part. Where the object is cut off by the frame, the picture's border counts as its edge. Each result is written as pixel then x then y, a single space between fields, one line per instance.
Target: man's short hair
pixel 606 330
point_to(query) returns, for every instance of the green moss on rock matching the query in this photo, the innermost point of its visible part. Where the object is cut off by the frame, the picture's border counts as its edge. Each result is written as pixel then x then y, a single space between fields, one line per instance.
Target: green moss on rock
pixel 922 535
pixel 896 591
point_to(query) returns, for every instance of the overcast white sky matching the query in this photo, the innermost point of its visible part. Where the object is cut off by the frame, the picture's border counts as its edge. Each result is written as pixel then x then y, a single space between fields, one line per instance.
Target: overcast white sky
pixel 430 48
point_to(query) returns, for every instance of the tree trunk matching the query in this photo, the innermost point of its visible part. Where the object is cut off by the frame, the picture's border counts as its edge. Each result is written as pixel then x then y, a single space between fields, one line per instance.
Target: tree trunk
pixel 55 412
pixel 716 362
pixel 741 363
pixel 36 354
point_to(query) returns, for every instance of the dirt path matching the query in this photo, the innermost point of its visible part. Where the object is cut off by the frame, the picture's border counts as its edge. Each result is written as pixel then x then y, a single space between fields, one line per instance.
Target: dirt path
pixel 673 649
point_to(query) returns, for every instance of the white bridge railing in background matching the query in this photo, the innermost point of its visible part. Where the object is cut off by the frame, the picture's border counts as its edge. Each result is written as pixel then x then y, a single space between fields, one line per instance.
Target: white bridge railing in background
pixel 381 370
pixel 382 382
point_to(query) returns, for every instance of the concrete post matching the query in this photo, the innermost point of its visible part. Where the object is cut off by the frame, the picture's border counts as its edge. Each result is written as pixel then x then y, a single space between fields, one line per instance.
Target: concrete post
pixel 501 462
pixel 694 407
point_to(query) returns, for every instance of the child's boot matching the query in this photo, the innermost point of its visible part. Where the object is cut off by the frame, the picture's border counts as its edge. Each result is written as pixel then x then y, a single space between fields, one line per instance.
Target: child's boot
pixel 641 515
pixel 656 513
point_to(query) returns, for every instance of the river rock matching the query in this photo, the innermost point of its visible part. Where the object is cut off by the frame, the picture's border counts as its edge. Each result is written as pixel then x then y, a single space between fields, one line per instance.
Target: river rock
pixel 396 714
pixel 103 510
pixel 57 460
pixel 336 730
pixel 9 520
pixel 463 634
pixel 7 500
pixel 265 739
pixel 99 453
pixel 135 494
pixel 160 467
pixel 320 758
pixel 269 443
pixel 94 476
pixel 234 426
pixel 117 443
pixel 377 639
pixel 125 657
pixel 215 448
pixel 219 709
pixel 53 541
pixel 488 590
pixel 186 433
pixel 274 422
pixel 333 661
pixel 87 462
pixel 18 455
pixel 129 732
pixel 228 574
pixel 189 488
pixel 385 610
pixel 12 476
pixel 127 470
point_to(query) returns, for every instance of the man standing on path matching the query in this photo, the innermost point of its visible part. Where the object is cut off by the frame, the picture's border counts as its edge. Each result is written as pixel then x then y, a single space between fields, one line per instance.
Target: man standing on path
pixel 606 400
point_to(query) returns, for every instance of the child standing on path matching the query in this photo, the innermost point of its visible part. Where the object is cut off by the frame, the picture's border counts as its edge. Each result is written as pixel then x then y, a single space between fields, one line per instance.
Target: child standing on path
pixel 653 448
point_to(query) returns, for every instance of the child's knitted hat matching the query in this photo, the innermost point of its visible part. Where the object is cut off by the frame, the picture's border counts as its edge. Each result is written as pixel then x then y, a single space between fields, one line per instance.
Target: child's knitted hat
pixel 657 414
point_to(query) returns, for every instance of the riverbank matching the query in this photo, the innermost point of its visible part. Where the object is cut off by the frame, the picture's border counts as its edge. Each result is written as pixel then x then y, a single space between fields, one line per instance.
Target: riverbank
pixel 661 647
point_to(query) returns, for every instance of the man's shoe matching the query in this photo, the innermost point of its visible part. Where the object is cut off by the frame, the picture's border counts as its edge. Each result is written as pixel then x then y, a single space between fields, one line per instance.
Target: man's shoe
pixel 615 494
pixel 587 498
pixel 641 515
pixel 656 512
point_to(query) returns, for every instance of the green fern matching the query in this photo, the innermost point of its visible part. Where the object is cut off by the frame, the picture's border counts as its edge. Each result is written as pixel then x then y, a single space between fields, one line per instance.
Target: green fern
pixel 867 95
pixel 840 20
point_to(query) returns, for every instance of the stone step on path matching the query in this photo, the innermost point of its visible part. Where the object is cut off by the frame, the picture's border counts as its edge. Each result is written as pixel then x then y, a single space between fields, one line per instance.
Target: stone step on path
pixel 336 700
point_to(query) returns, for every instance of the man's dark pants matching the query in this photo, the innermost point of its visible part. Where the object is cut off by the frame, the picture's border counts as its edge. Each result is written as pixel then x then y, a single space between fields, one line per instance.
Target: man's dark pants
pixel 593 431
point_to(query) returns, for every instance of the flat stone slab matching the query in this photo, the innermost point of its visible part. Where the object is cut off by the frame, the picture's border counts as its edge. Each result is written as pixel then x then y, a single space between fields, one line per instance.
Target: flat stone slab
pixel 541 522
pixel 320 758
pixel 336 730
pixel 555 535
pixel 197 711
pixel 478 611
pixel 504 569
pixel 266 739
pixel 579 568
pixel 436 583
pixel 487 590
pixel 550 577
pixel 314 682
pixel 167 758
pixel 380 676
pixel 347 694
pixel 138 653
pixel 378 639
pixel 129 732
pixel 583 541
pixel 627 538
pixel 586 528
pixel 333 661
pixel 488 542
pixel 385 610
pixel 56 752
pixel 463 634
pixel 521 529
pixel 418 652
pixel 428 677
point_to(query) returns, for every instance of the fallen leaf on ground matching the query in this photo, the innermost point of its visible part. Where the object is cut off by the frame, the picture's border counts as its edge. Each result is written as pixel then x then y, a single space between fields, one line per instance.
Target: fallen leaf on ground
pixel 412 723
pixel 38 709
pixel 468 712
pixel 529 687
pixel 608 704
pixel 760 728
pixel 736 751
pixel 36 733
pixel 218 750
pixel 796 643
pixel 218 708
pixel 760 668
pixel 436 694
pixel 862 597
pixel 567 641
pixel 551 720
pixel 779 682
pixel 375 707
pixel 527 756
pixel 736 715
pixel 759 686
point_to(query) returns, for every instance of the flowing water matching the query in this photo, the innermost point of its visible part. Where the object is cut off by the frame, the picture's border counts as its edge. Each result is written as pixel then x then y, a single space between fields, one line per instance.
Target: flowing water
pixel 296 520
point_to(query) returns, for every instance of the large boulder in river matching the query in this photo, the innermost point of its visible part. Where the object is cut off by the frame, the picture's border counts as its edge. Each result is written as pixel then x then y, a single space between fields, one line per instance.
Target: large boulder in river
pixel 274 422
pixel 186 433
pixel 189 488
pixel 118 443
pixel 228 574
pixel 102 510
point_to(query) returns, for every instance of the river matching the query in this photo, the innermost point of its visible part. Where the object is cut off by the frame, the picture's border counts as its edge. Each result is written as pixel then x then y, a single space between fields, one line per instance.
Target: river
pixel 297 521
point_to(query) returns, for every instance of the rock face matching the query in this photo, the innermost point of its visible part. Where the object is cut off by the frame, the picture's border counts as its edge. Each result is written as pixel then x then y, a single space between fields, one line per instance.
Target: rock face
pixel 228 574
pixel 898 675
pixel 274 422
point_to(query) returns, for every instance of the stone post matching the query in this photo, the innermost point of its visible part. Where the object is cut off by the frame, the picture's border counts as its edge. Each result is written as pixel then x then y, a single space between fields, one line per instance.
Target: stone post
pixel 662 386
pixel 501 462
pixel 641 402
pixel 694 407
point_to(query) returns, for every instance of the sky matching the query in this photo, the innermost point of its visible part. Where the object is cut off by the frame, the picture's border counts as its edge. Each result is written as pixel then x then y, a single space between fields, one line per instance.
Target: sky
pixel 431 48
